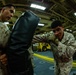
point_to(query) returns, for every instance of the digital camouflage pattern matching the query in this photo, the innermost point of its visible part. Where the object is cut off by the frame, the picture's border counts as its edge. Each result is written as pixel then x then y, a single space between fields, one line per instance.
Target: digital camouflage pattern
pixel 4 35
pixel 62 50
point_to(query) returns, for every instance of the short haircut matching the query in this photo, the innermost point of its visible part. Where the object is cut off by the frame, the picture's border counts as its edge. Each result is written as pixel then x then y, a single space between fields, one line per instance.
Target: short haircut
pixel 9 5
pixel 56 23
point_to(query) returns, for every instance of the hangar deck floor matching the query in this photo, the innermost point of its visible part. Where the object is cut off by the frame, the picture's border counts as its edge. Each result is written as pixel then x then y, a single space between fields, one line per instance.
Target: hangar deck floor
pixel 44 64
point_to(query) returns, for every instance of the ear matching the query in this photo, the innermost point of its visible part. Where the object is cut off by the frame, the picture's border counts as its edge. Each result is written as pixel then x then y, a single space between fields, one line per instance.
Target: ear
pixel 63 27
pixel 2 10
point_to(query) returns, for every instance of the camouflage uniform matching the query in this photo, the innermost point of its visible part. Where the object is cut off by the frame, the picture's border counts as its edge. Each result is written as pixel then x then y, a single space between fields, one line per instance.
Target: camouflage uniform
pixel 63 53
pixel 4 35
pixel 31 55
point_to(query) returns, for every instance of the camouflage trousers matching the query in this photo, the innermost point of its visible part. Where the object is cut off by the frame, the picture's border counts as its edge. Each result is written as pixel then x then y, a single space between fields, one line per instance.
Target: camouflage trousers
pixel 3 70
pixel 63 69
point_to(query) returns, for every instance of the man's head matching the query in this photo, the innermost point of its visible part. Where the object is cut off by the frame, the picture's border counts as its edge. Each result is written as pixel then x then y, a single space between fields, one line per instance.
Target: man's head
pixel 7 12
pixel 58 29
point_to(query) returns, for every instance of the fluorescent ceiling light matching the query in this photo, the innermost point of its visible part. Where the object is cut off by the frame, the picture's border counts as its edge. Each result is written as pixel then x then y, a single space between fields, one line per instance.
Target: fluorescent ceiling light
pixel 68 30
pixel 40 24
pixel 75 13
pixel 6 22
pixel 38 6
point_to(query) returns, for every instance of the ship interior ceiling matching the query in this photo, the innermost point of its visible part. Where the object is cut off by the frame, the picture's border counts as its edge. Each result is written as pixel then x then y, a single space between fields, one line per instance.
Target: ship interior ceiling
pixel 63 10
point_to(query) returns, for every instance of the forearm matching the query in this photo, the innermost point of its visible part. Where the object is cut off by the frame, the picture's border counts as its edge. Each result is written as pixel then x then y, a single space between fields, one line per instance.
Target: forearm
pixel 39 38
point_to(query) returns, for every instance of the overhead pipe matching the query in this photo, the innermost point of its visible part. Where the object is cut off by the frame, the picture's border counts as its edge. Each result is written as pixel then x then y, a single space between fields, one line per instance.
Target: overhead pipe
pixel 61 16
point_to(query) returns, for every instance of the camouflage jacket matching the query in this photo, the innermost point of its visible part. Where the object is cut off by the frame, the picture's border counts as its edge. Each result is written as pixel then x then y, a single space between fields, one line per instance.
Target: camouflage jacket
pixel 4 34
pixel 63 53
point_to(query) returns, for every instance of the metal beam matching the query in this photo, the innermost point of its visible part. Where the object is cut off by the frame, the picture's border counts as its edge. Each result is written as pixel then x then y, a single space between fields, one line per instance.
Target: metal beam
pixel 61 16
pixel 3 1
